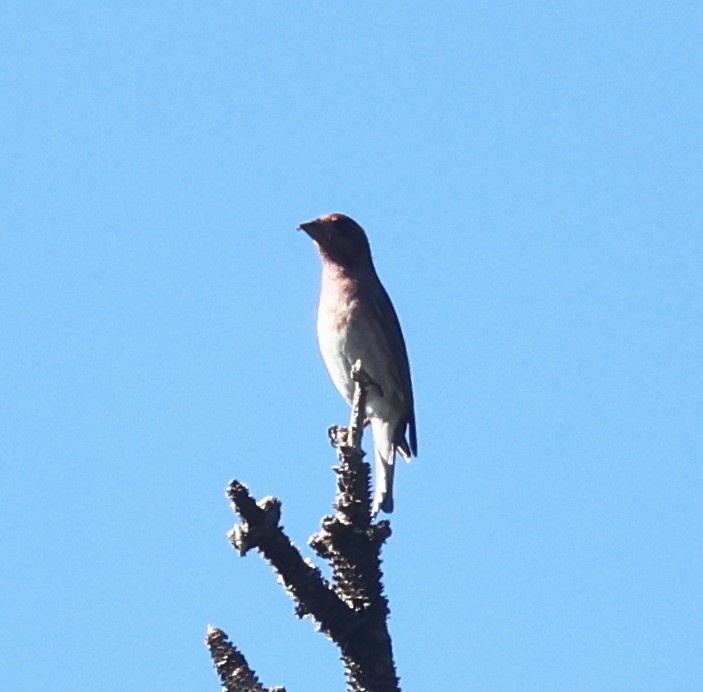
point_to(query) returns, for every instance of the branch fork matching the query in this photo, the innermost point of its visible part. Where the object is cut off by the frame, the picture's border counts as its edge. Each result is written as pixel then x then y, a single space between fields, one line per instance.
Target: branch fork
pixel 350 608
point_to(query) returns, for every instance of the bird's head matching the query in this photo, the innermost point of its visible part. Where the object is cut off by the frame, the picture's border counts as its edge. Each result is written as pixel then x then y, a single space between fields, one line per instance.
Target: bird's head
pixel 339 239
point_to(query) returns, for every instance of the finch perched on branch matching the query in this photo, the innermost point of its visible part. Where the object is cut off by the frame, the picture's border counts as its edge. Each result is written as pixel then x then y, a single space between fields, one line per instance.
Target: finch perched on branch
pixel 356 320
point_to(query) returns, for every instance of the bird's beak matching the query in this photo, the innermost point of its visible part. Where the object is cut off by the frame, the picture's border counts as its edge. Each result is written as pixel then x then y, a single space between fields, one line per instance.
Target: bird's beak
pixel 306 225
pixel 313 228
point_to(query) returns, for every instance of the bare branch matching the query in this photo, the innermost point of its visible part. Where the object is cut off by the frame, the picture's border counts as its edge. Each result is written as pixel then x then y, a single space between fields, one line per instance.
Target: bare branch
pixel 231 666
pixel 352 610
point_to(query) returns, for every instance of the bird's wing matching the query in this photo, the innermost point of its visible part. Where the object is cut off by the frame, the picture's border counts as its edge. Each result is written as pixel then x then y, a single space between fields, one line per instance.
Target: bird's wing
pixel 391 337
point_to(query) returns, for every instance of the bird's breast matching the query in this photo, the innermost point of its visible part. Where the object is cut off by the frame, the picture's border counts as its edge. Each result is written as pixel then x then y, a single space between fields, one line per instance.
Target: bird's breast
pixel 336 318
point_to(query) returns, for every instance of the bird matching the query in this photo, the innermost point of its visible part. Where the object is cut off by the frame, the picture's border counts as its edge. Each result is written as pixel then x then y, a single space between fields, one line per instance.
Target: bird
pixel 356 320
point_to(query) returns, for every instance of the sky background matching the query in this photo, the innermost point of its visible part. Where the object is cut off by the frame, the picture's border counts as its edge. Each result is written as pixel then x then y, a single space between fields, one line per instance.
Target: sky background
pixel 531 181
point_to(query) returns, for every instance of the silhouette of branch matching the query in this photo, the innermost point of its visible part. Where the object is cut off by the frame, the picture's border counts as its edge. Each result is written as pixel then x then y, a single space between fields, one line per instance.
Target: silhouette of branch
pixel 351 608
pixel 231 666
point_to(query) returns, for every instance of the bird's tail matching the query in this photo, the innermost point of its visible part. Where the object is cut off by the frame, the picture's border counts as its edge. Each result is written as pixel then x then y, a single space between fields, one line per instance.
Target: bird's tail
pixel 383 494
pixel 384 451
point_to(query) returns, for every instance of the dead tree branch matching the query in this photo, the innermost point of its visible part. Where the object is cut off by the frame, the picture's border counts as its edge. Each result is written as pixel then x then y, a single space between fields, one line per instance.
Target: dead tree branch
pixel 351 608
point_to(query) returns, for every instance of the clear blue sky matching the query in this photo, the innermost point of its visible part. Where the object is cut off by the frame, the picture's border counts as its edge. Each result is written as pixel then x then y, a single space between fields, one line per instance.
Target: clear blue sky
pixel 531 180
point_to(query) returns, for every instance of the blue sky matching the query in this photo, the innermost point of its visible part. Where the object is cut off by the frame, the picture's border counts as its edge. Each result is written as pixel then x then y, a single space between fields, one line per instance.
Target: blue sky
pixel 530 179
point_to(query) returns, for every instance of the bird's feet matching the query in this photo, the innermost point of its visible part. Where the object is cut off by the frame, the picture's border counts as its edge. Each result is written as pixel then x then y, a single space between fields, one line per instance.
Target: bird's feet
pixel 358 374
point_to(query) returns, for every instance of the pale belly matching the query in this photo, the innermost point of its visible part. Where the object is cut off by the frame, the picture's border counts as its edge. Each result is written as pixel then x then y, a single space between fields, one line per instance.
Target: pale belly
pixel 341 348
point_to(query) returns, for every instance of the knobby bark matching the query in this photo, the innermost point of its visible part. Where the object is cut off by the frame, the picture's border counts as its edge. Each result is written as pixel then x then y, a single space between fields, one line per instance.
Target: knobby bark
pixel 350 608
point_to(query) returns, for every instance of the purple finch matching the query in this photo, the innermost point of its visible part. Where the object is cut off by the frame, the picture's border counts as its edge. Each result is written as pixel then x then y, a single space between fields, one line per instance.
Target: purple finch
pixel 356 320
